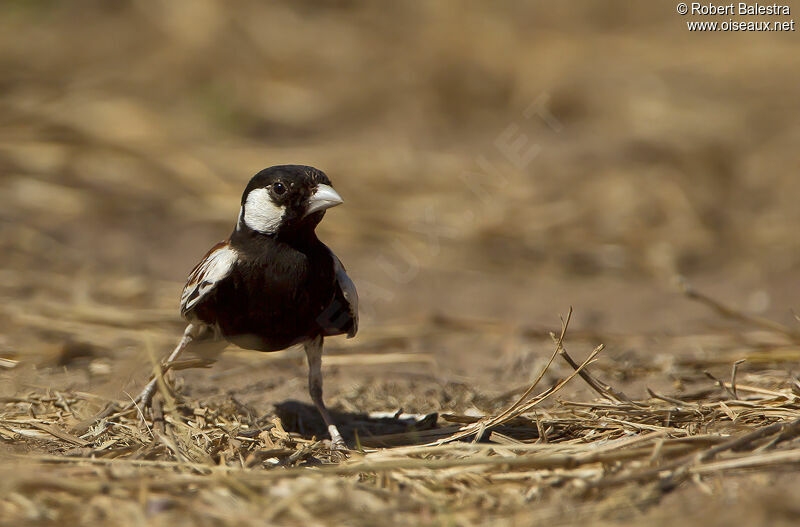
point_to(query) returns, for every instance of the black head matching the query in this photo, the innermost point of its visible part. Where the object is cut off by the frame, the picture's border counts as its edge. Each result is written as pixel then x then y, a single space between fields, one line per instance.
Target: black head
pixel 286 198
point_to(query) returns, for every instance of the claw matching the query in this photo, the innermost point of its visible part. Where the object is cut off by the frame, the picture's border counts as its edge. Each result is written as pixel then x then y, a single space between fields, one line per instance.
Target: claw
pixel 337 443
pixel 145 397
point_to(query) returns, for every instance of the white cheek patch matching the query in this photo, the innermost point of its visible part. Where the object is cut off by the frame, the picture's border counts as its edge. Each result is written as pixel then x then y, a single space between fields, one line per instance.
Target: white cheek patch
pixel 260 213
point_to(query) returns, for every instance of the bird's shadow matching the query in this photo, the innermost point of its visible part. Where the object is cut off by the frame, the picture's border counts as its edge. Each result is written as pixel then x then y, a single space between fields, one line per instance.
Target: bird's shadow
pixel 357 428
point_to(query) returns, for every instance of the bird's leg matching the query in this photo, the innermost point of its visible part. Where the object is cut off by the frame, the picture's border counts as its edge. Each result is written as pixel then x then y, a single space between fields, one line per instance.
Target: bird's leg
pixel 314 354
pixel 146 395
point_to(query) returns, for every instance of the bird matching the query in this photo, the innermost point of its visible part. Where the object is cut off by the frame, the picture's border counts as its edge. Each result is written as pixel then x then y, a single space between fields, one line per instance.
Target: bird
pixel 272 283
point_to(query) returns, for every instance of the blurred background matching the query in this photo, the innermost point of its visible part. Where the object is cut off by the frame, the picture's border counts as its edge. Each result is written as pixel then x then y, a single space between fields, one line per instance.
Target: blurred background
pixel 499 162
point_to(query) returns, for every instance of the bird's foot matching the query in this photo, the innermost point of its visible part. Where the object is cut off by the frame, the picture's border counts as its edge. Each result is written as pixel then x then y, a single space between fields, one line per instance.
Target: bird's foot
pixel 337 443
pixel 145 397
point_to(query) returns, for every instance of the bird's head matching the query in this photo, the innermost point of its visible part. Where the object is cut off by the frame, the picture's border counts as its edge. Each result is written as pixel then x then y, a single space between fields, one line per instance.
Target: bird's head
pixel 286 198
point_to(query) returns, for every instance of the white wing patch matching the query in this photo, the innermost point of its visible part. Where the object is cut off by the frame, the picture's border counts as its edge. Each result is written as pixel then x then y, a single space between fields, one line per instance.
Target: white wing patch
pixel 349 291
pixel 260 213
pixel 216 265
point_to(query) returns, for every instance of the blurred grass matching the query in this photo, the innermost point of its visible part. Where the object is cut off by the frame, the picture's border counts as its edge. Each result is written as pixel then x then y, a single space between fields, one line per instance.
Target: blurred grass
pixel 671 156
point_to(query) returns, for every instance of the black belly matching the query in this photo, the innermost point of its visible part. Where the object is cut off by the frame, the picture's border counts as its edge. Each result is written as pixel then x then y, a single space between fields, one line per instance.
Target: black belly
pixel 271 305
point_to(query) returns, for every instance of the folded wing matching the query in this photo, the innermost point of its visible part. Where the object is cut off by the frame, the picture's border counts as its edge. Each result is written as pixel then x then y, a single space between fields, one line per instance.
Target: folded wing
pixel 342 315
pixel 214 267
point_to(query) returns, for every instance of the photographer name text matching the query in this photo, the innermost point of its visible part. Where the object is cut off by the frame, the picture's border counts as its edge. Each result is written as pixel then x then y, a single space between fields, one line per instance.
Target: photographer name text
pixel 741 8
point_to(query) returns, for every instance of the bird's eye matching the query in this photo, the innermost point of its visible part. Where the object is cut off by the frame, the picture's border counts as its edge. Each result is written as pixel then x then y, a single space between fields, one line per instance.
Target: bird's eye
pixel 278 188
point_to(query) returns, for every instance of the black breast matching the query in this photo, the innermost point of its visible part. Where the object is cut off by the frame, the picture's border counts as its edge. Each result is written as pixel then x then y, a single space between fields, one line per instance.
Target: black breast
pixel 275 295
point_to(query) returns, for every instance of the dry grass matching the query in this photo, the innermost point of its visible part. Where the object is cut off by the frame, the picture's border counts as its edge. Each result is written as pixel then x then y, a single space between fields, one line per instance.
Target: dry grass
pixel 190 462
